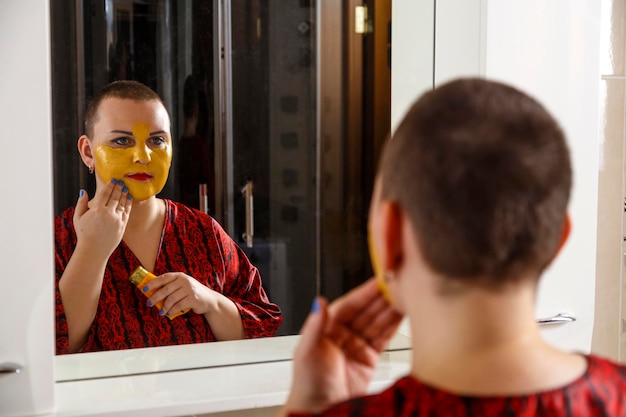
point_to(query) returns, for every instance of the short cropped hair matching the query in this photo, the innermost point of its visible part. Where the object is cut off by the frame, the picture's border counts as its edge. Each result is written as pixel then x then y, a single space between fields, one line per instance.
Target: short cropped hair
pixel 123 89
pixel 484 174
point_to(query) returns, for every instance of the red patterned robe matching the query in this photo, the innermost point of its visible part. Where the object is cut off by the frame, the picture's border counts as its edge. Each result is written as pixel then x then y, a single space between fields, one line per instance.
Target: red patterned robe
pixel 601 391
pixel 192 242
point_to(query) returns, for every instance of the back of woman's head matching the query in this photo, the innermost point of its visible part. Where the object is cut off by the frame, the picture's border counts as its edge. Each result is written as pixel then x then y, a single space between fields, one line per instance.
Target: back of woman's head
pixel 484 174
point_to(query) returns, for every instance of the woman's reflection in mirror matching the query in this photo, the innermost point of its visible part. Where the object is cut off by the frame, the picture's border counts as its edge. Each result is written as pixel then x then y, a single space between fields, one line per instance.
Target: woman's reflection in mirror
pixel 127 145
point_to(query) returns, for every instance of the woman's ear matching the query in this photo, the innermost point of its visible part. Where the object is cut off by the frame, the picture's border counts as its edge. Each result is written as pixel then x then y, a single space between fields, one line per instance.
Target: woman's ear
pixel 85 151
pixel 567 228
pixel 391 228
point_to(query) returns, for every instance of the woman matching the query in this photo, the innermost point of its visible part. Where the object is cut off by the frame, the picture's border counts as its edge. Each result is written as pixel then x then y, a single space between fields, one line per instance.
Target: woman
pixel 469 208
pixel 127 145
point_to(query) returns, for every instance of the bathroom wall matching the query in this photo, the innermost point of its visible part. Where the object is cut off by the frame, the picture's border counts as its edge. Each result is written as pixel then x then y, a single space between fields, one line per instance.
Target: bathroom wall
pixel 550 50
pixel 26 253
pixel 608 327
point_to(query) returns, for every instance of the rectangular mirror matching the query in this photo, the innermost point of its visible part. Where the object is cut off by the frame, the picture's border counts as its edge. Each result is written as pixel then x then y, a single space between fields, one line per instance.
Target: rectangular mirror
pixel 287 107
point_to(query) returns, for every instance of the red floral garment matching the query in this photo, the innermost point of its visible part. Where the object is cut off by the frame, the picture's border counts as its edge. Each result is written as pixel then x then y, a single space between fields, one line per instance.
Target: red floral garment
pixel 192 242
pixel 601 391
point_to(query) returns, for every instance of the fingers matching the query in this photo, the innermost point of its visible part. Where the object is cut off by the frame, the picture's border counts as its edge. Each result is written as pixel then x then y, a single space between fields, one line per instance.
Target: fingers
pixel 351 305
pixel 103 195
pixel 81 204
pixel 125 201
pixel 114 196
pixel 160 287
pixel 174 301
pixel 170 292
pixel 382 329
pixel 363 314
pixel 313 328
pixel 379 318
pixel 118 198
pixel 129 203
pixel 369 313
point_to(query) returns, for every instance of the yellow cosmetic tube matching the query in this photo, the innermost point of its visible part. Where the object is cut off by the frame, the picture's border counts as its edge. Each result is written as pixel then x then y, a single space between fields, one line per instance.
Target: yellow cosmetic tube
pixel 139 278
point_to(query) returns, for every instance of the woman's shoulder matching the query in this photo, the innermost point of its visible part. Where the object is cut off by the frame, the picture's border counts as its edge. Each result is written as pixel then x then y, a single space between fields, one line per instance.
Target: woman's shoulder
pixel 181 215
pixel 64 233
pixel 604 369
pixel 67 213
pixel 64 220
pixel 184 211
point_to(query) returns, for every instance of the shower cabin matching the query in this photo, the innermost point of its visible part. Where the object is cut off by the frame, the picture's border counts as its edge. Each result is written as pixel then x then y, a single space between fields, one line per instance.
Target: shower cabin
pixel 269 131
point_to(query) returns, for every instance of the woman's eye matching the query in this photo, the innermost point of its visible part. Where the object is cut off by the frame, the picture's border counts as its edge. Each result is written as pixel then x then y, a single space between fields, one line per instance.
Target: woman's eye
pixel 121 141
pixel 158 140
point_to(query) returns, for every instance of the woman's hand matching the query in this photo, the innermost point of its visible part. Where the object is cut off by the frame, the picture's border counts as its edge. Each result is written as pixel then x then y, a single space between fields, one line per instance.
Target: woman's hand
pixel 100 225
pixel 101 222
pixel 339 349
pixel 179 291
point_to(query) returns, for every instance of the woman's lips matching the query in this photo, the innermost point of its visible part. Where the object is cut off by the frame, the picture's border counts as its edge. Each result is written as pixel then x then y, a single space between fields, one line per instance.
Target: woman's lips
pixel 140 176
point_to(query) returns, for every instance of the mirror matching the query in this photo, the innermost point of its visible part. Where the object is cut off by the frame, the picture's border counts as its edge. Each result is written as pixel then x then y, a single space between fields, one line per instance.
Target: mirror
pixel 281 103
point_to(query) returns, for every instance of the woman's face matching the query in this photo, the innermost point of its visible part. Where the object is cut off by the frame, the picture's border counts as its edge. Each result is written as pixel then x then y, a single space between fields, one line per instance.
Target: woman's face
pixel 132 142
pixel 373 240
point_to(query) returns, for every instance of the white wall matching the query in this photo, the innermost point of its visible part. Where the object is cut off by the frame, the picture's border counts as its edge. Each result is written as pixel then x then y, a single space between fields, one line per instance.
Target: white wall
pixel 412 53
pixel 26 248
pixel 607 330
pixel 550 50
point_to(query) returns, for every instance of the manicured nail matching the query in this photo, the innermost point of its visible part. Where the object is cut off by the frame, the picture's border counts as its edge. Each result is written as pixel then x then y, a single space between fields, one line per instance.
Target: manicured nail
pixel 316 306
pixel 81 193
pixel 161 312
pixel 124 189
pixel 145 288
pixel 130 197
pixel 149 303
pixel 113 180
pixel 120 182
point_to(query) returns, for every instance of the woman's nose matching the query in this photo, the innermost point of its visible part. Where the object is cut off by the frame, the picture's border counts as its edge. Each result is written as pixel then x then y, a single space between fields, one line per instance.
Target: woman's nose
pixel 142 154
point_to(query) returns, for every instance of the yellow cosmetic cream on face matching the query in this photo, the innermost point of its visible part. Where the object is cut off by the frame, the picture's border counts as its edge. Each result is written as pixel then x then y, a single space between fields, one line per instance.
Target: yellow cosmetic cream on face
pixel 378 270
pixel 142 166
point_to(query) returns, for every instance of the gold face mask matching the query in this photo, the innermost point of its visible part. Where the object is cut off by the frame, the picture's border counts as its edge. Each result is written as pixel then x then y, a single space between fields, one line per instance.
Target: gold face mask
pixel 378 270
pixel 144 180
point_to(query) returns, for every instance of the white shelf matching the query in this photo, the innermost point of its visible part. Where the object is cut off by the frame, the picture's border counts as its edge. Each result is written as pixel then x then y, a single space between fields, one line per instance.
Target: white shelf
pixel 197 391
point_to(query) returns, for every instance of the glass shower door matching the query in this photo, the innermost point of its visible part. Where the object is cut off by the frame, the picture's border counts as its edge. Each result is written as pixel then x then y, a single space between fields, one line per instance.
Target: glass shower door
pixel 269 148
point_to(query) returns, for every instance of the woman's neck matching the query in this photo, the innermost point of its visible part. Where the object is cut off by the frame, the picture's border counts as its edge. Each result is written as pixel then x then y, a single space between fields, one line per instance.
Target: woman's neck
pixel 485 343
pixel 145 213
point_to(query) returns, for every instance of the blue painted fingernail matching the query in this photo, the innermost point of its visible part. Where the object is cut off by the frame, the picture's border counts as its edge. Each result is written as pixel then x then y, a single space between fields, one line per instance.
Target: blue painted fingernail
pixel 149 303
pixel 316 306
pixel 120 182
pixel 124 189
pixel 81 193
pixel 145 288
pixel 161 312
pixel 130 197
pixel 113 180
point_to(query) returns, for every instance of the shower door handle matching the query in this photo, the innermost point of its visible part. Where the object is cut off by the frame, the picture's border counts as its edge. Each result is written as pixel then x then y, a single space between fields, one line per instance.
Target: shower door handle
pixel 560 318
pixel 248 235
pixel 10 368
pixel 204 198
